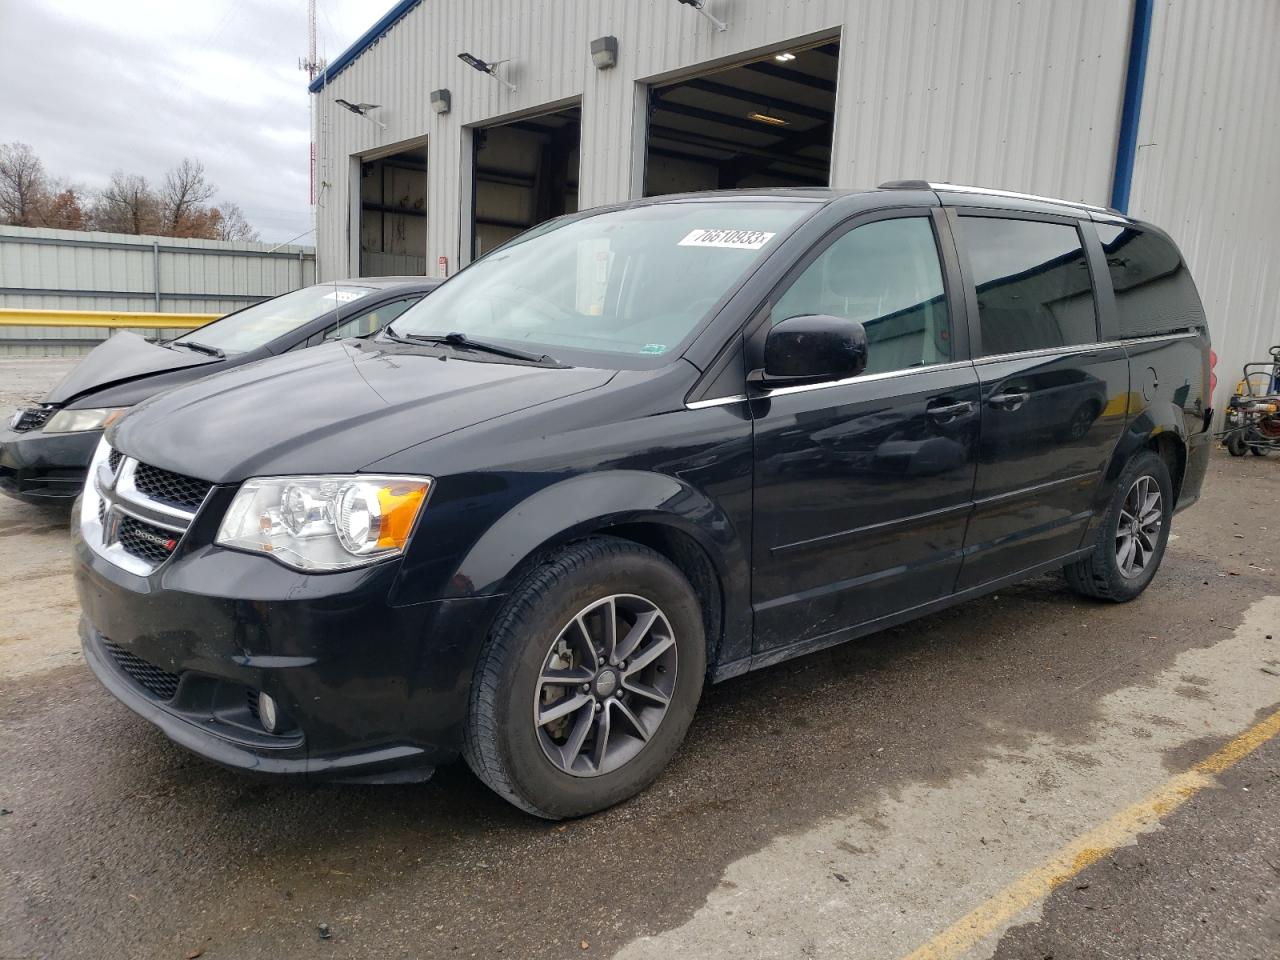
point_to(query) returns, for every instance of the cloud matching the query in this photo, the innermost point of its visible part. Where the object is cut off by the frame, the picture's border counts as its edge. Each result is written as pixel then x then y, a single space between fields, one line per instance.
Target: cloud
pixel 137 85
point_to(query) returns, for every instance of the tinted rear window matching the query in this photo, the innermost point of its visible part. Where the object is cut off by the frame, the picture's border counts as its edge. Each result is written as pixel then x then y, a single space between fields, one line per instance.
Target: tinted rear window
pixel 1033 284
pixel 1154 290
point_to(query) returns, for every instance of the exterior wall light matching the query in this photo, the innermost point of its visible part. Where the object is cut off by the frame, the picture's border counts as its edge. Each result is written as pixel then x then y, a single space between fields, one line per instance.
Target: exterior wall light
pixel 604 52
pixel 701 7
pixel 441 101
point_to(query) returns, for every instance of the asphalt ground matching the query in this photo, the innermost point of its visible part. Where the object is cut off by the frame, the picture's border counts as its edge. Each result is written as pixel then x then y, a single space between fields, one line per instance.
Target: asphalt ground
pixel 1030 775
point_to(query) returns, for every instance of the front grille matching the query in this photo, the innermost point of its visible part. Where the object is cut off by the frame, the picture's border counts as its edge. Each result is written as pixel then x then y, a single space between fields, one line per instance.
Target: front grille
pixel 146 541
pixel 33 418
pixel 102 511
pixel 113 460
pixel 160 683
pixel 169 487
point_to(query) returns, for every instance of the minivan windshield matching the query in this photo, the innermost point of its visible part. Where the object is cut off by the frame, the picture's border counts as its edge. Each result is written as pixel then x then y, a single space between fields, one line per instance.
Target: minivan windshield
pixel 258 325
pixel 636 281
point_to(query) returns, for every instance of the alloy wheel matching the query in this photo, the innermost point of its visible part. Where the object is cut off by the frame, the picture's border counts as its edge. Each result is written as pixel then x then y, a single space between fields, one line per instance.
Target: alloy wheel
pixel 605 685
pixel 1138 528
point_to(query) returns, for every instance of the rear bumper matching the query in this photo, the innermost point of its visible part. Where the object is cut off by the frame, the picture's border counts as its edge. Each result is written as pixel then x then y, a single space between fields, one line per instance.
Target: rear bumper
pixel 370 691
pixel 43 467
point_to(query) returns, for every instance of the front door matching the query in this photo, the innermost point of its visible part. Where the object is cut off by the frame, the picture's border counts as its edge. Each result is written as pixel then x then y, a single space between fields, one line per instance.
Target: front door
pixel 863 486
pixel 1054 399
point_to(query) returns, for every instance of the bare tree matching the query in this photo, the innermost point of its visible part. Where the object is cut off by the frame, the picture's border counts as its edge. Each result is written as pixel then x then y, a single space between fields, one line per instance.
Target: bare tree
pixel 182 197
pixel 230 223
pixel 127 205
pixel 23 186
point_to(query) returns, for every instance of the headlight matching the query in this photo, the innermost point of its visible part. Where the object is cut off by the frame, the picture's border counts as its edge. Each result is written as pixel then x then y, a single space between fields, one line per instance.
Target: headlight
pixel 77 421
pixel 324 523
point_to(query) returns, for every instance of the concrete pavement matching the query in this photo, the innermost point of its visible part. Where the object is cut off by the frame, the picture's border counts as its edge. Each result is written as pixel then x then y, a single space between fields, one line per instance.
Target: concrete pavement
pixel 856 803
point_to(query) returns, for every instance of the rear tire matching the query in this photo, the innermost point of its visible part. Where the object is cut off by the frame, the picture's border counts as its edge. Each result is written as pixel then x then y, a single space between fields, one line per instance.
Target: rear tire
pixel 1131 539
pixel 567 749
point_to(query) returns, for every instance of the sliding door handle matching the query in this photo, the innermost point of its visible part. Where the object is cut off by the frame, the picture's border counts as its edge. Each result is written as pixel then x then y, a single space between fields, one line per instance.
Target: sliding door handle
pixel 1009 401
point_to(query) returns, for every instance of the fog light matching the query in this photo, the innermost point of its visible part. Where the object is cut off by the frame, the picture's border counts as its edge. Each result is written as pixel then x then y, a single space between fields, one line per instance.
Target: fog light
pixel 268 713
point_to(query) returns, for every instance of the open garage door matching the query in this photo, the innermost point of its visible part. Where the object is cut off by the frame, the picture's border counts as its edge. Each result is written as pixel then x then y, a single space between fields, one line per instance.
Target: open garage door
pixel 764 123
pixel 526 172
pixel 393 214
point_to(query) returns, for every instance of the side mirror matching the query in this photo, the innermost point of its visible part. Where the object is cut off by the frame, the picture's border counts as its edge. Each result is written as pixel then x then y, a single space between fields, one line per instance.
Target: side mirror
pixel 811 349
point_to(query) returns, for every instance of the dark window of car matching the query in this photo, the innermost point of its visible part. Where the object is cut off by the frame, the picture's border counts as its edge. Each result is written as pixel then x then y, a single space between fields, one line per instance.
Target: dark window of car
pixel 886 275
pixel 1033 284
pixel 1154 290
pixel 371 321
pixel 258 325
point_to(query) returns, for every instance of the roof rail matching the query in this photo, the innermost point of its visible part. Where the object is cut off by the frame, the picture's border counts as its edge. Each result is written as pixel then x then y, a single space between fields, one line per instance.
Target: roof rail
pixel 987 191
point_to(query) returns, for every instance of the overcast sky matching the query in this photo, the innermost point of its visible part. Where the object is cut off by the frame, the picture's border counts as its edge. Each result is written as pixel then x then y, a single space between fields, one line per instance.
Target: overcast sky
pixel 136 85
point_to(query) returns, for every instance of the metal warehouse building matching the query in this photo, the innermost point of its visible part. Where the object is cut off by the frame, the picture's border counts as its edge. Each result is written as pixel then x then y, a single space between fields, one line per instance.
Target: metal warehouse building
pixel 1165 109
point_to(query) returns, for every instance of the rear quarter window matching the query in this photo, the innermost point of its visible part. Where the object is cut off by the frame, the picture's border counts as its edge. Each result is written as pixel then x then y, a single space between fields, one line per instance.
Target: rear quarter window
pixel 1153 287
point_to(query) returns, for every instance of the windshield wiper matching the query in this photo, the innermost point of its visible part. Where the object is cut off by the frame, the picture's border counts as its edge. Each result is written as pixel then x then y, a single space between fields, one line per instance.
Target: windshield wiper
pixel 201 348
pixel 482 346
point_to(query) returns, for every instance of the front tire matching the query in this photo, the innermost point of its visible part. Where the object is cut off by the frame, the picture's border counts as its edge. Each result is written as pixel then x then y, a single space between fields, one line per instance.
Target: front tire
pixel 1132 536
pixel 588 681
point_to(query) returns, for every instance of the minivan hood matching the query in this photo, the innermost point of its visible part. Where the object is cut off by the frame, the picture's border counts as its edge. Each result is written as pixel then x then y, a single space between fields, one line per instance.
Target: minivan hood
pixel 122 358
pixel 334 408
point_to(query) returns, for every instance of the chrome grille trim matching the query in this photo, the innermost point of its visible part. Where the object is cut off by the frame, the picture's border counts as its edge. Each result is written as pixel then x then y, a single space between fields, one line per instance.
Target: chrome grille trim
pixel 109 496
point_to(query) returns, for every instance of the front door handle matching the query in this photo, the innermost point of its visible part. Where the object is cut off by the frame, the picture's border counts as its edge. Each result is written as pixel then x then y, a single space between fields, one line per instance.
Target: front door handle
pixel 1012 400
pixel 940 411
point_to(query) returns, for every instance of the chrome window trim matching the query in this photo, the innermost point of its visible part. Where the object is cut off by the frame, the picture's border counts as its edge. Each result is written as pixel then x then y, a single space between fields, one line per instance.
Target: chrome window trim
pixel 1065 351
pixel 863 378
pixel 1185 335
pixel 767 392
pixel 715 402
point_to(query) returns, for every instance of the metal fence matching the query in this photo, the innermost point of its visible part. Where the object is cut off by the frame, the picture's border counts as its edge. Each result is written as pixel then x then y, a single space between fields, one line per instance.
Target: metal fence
pixel 70 272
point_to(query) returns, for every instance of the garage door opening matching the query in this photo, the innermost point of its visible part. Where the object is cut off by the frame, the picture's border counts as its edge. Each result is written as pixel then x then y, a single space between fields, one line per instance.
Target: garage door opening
pixel 393 214
pixel 766 123
pixel 526 172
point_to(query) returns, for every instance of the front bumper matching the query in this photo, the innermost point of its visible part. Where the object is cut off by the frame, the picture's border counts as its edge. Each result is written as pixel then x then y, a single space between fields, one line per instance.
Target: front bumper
pixel 371 691
pixel 40 467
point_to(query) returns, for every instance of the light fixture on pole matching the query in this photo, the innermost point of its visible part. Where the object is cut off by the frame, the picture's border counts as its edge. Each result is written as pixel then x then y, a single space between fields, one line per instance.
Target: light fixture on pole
pixel 361 110
pixel 441 101
pixel 604 52
pixel 701 7
pixel 475 63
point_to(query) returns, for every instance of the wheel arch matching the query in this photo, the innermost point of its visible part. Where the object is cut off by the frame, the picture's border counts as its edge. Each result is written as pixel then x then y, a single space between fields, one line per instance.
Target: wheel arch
pixel 1159 428
pixel 663 513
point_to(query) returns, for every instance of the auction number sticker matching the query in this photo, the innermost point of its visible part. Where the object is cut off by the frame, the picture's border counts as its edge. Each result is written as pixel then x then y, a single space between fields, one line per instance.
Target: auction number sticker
pixel 345 296
pixel 731 239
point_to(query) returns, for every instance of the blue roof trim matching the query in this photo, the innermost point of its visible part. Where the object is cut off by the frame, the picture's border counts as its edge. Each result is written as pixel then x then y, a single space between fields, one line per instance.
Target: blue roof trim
pixel 1135 79
pixel 367 40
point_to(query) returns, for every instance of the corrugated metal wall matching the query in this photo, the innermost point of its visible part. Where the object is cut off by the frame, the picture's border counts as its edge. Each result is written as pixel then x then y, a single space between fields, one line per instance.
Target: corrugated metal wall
pixel 1021 95
pixel 70 270
pixel 1208 164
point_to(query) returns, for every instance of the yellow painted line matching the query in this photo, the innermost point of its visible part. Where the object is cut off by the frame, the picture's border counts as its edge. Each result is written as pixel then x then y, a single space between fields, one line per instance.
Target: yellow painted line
pixel 1085 850
pixel 16 317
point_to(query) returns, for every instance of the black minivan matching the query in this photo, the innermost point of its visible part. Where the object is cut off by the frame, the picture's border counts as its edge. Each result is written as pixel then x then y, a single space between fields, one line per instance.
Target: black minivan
pixel 634 450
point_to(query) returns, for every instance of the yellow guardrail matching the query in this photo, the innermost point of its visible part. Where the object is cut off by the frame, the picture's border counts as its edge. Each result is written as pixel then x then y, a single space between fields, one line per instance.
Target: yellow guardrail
pixel 17 317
